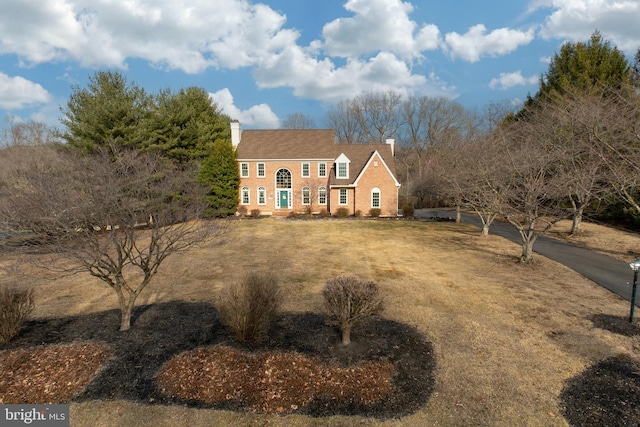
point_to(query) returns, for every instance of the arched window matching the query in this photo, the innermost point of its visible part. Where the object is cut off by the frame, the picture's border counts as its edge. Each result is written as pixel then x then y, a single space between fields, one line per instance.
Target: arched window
pixel 375 197
pixel 306 196
pixel 262 196
pixel 283 178
pixel 245 195
pixel 322 196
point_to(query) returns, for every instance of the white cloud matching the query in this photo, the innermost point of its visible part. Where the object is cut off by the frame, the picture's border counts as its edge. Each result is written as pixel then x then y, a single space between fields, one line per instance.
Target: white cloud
pixel 321 79
pixel 576 20
pixel 18 92
pixel 507 80
pixel 378 25
pixel 260 116
pixel 189 35
pixel 476 43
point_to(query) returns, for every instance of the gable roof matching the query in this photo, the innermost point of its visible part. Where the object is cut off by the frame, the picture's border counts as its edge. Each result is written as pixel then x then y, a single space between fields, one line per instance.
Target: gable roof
pixel 311 144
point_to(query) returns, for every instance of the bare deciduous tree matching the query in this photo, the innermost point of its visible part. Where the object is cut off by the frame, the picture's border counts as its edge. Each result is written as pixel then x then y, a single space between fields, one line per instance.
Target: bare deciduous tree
pixel 368 118
pixel 116 215
pixel 26 133
pixel 348 299
pixel 298 121
pixel 527 185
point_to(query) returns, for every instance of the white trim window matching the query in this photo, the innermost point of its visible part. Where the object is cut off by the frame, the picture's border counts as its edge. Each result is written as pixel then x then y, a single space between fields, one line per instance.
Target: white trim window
pixel 322 170
pixel 245 196
pixel 375 197
pixel 322 196
pixel 260 170
pixel 244 170
pixel 306 170
pixel 262 196
pixel 343 199
pixel 342 170
pixel 306 196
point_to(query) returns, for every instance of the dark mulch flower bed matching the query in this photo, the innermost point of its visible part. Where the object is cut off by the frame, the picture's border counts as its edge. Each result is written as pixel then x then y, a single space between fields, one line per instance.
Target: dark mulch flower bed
pixel 161 332
pixel 607 393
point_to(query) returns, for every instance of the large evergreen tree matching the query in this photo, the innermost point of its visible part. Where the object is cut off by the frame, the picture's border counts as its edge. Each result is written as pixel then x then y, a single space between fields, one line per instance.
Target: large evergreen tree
pixel 220 174
pixel 584 67
pixel 184 125
pixel 109 110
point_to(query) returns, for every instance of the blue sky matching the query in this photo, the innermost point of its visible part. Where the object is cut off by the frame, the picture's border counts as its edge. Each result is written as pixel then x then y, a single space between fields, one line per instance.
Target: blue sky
pixel 261 61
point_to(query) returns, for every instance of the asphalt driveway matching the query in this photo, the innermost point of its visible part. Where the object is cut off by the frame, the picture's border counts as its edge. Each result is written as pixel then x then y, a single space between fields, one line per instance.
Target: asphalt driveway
pixel 608 272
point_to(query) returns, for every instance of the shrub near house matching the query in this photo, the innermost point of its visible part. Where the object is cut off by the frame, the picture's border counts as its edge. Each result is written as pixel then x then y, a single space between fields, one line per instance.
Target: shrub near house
pixel 304 170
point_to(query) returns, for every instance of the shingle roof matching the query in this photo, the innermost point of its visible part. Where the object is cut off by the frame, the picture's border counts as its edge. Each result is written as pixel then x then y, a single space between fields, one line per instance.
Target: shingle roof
pixel 309 144
pixel 286 144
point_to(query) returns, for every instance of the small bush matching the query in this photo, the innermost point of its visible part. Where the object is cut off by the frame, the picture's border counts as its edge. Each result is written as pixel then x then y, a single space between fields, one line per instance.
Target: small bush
pixel 375 212
pixel 342 212
pixel 292 214
pixel 324 213
pixel 407 211
pixel 347 299
pixel 255 213
pixel 15 307
pixel 247 307
pixel 242 211
pixel 358 213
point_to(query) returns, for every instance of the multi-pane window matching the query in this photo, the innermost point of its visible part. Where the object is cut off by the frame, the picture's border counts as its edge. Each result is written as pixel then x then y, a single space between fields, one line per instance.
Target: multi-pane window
pixel 262 196
pixel 244 170
pixel 322 196
pixel 261 172
pixel 322 170
pixel 342 170
pixel 245 195
pixel 306 170
pixel 375 198
pixel 283 178
pixel 342 200
pixel 306 196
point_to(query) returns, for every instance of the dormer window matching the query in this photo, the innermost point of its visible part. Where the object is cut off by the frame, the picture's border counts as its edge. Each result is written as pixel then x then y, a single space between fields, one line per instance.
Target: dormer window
pixel 342 167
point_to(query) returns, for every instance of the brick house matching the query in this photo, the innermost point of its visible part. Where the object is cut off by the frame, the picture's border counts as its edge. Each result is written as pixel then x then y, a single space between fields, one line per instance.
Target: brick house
pixel 298 170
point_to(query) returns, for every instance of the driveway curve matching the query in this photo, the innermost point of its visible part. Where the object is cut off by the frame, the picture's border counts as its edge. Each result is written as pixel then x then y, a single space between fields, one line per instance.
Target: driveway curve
pixel 608 272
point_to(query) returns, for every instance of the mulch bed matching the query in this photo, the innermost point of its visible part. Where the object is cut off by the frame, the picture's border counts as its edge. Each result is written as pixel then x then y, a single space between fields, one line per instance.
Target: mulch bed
pixel 608 392
pixel 303 368
pixel 605 394
pixel 48 374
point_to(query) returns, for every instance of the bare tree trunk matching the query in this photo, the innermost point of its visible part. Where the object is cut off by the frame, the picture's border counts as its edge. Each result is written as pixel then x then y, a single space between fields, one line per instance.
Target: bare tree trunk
pixel 527 250
pixel 577 220
pixel 126 308
pixel 125 319
pixel 346 334
pixel 485 229
pixel 458 214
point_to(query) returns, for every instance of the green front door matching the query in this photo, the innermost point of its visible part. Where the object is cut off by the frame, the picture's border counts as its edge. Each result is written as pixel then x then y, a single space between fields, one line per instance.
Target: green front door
pixel 284 199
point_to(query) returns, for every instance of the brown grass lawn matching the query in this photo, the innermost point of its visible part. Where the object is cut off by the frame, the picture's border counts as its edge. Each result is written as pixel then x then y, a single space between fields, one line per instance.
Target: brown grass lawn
pixel 506 336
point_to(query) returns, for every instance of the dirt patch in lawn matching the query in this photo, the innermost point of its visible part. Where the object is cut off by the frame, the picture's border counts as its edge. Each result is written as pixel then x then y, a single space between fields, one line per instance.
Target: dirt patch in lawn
pixel 386 372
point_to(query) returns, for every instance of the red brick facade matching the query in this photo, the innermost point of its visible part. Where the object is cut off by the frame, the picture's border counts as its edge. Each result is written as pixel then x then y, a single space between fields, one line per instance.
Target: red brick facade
pixel 296 170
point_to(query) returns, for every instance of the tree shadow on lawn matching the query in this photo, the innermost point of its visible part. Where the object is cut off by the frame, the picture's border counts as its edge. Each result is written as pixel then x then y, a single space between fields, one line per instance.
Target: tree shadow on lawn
pixel 161 331
pixel 616 324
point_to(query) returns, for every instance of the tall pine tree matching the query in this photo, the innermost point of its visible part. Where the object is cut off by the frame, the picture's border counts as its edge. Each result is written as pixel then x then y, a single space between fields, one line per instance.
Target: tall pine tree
pixel 185 125
pixel 109 110
pixel 591 67
pixel 220 173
